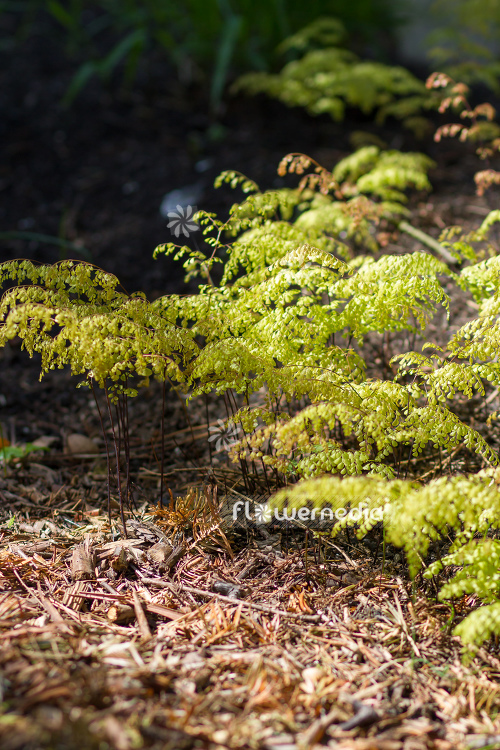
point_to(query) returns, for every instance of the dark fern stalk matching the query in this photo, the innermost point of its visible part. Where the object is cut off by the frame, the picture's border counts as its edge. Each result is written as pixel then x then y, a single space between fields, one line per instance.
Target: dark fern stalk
pixel 117 458
pixel 234 409
pixel 108 459
pixel 208 426
pixel 184 409
pixel 243 464
pixel 264 468
pixel 125 431
pixel 120 441
pixel 162 460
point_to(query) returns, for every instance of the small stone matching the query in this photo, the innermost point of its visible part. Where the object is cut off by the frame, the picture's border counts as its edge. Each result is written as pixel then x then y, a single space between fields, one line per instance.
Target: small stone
pixel 78 444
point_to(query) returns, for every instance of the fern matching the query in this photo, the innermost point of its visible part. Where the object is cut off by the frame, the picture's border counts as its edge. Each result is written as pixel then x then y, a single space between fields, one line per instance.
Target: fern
pixel 303 288
pixel 479 574
pixel 72 314
pixel 414 517
pixel 330 79
pixel 385 174
pixel 462 47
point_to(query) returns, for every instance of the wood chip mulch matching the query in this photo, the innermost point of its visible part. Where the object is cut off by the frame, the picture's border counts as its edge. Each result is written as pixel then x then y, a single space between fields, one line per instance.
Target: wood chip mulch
pixel 180 637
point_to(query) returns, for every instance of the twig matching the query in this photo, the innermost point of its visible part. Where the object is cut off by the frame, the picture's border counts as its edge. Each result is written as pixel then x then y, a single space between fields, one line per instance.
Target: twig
pixel 140 616
pixel 344 554
pixel 446 463
pixel 210 595
pixel 52 611
pixel 426 239
pixel 315 732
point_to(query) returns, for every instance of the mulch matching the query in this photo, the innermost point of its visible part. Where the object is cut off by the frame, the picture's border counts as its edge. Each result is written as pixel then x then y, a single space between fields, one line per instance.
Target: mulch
pixel 180 636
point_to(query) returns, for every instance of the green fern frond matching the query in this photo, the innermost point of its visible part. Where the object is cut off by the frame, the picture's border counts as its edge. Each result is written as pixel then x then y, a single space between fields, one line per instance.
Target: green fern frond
pixel 480 625
pixel 479 574
pixel 329 80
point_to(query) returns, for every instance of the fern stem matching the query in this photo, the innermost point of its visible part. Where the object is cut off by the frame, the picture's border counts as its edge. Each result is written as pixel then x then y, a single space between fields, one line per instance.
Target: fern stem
pixel 117 456
pixel 4 453
pixel 208 429
pixel 184 409
pixel 123 413
pixel 383 558
pixel 426 239
pixel 108 459
pixel 243 463
pixel 162 460
pixel 119 424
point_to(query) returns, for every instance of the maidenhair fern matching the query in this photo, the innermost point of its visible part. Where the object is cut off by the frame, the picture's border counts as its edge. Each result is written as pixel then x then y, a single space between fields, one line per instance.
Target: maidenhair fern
pixel 304 287
pixel 73 314
pixel 414 515
pixel 328 78
pixel 461 42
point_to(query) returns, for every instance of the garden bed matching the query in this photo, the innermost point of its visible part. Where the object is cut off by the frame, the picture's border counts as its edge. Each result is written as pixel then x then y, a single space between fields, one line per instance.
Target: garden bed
pixel 307 647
